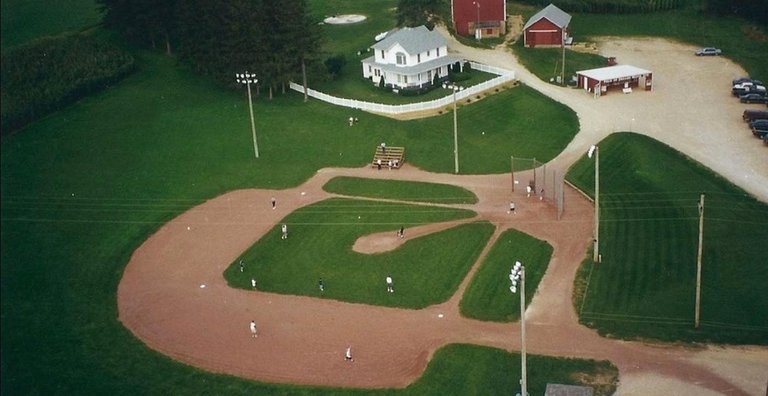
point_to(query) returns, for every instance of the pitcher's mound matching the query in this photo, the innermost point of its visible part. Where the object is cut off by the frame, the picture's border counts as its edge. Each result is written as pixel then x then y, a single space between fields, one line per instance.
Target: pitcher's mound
pixel 342 19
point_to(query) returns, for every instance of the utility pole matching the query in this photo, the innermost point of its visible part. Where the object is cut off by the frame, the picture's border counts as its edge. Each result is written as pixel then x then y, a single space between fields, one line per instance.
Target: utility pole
pixel 512 168
pixel 562 72
pixel 698 261
pixel 524 380
pixel 596 250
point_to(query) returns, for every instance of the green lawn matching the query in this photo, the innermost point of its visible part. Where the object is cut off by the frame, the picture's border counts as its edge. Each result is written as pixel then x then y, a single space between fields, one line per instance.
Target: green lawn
pixel 400 190
pixel 352 85
pixel 472 370
pixel 25 20
pixel 546 63
pixel 426 270
pixel 488 296
pixel 645 285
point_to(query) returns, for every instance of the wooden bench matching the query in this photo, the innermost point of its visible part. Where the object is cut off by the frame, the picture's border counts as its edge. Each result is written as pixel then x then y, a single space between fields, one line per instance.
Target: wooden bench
pixel 394 154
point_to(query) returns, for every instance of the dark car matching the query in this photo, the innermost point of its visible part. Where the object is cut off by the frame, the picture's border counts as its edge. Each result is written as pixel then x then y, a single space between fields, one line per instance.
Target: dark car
pixel 760 133
pixel 752 115
pixel 759 124
pixel 753 98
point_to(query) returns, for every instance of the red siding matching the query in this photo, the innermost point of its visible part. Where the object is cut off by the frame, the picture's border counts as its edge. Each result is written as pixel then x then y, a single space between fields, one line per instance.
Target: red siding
pixel 465 13
pixel 533 38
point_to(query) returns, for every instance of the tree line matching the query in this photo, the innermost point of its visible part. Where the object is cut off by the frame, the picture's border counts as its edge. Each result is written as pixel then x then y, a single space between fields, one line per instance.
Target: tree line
pixel 277 40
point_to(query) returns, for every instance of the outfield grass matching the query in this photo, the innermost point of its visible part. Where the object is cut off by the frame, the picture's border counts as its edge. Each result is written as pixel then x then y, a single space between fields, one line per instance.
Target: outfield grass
pixel 400 190
pixel 645 285
pixel 488 296
pixel 24 20
pixel 472 370
pixel 426 270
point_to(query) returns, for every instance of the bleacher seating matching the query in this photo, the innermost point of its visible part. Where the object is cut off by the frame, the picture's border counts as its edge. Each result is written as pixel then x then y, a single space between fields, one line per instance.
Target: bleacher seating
pixel 394 154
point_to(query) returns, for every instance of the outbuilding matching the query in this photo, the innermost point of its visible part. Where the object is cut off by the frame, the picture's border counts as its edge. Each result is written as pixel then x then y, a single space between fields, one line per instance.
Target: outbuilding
pixel 547 28
pixel 479 18
pixel 619 77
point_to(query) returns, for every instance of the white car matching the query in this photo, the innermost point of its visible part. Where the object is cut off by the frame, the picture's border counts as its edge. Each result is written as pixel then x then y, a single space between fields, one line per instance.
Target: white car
pixel 708 51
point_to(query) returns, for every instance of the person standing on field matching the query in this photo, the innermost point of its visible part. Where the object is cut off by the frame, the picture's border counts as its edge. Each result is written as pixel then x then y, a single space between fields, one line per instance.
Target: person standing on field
pixel 348 354
pixel 274 203
pixel 285 231
pixel 253 329
pixel 390 285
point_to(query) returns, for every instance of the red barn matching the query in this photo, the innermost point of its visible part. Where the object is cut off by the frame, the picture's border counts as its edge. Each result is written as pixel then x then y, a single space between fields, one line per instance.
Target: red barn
pixel 479 18
pixel 548 28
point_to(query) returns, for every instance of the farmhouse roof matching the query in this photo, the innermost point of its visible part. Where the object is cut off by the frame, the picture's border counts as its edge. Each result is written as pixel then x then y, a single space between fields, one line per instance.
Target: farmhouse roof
pixel 415 69
pixel 613 72
pixel 413 40
pixel 553 14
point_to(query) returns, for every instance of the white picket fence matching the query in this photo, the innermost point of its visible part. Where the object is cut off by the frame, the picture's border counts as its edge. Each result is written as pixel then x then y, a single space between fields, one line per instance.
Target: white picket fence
pixel 504 76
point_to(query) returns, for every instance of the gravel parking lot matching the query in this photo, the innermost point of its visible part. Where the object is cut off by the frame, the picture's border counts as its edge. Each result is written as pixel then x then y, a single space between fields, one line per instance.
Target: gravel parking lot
pixel 690 107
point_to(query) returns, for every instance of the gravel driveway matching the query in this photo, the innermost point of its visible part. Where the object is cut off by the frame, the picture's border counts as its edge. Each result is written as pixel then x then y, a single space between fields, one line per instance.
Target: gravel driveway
pixel 690 108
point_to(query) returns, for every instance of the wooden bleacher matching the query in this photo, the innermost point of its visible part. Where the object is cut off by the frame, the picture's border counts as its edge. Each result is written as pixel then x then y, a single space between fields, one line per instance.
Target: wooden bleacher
pixel 394 154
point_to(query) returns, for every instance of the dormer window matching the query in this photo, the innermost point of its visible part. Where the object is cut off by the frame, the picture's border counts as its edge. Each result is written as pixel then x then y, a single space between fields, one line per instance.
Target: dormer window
pixel 400 58
pixel 418 58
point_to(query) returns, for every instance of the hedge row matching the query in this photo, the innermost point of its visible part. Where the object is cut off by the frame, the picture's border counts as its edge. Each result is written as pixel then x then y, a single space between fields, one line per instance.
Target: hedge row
pixel 613 6
pixel 47 74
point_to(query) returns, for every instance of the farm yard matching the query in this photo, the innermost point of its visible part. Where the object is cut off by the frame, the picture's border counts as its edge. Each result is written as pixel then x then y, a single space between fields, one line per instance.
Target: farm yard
pixel 117 209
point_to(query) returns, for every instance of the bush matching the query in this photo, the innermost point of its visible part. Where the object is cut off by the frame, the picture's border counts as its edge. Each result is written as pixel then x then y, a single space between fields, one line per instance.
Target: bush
pixel 335 64
pixel 45 75
pixel 467 67
pixel 456 77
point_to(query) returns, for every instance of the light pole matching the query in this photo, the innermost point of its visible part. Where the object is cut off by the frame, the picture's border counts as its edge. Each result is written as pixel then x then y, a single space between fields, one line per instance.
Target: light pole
pixel 247 78
pixel 518 273
pixel 477 23
pixel 596 254
pixel 455 88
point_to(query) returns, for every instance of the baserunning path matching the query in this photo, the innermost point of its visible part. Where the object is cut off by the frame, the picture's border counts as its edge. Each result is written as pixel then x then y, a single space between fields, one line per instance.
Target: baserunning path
pixel 302 340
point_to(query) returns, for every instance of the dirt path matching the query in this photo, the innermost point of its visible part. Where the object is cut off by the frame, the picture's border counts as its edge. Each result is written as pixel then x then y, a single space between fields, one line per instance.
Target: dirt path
pixel 302 340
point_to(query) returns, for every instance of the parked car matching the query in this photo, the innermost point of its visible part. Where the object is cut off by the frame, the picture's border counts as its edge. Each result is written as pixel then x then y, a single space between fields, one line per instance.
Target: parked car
pixel 748 85
pixel 738 91
pixel 708 51
pixel 752 115
pixel 741 80
pixel 759 124
pixel 753 98
pixel 760 133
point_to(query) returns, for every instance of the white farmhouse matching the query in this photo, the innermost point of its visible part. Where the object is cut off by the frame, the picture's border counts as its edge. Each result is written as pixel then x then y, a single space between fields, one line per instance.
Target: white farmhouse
pixel 409 58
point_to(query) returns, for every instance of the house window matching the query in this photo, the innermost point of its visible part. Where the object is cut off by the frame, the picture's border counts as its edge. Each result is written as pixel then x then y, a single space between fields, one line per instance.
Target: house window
pixel 405 79
pixel 400 58
pixel 418 58
pixel 427 53
pixel 438 52
pixel 377 72
pixel 429 75
pixel 370 68
pixel 382 54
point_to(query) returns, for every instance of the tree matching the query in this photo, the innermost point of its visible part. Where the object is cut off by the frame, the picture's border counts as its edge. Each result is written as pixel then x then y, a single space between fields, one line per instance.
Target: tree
pixel 142 21
pixel 335 63
pixel 413 13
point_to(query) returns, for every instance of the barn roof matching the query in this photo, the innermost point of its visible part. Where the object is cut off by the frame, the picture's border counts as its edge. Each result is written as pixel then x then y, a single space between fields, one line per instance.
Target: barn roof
pixel 553 14
pixel 613 72
pixel 413 40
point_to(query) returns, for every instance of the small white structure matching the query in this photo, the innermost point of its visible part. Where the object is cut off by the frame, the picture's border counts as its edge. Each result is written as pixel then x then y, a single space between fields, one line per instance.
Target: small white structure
pixel 625 77
pixel 409 58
